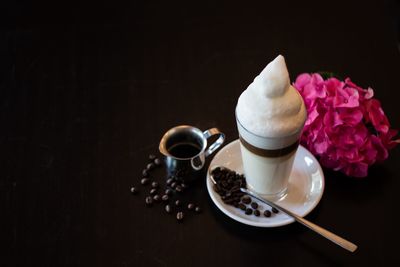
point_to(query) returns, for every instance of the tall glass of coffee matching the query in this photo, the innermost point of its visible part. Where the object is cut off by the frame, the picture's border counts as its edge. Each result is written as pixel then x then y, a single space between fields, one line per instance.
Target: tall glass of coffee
pixel 270 116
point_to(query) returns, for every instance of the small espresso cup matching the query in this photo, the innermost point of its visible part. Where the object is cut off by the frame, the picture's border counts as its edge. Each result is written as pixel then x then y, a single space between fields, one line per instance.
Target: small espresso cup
pixel 185 149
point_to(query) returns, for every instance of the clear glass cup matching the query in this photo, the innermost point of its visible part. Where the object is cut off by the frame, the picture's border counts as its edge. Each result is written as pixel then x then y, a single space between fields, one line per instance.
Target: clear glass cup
pixel 267 161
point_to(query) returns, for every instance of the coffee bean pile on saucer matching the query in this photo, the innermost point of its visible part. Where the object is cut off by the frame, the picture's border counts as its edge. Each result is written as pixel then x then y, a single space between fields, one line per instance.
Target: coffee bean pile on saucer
pixel 228 187
pixel 167 192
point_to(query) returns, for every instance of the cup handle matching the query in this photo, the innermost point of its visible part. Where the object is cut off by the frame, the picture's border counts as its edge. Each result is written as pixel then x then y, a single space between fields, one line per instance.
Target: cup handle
pixel 214 146
pixel 197 162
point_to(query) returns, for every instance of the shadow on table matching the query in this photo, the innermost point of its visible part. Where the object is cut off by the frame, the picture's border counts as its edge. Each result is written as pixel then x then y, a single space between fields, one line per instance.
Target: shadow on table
pixel 293 232
pixel 258 234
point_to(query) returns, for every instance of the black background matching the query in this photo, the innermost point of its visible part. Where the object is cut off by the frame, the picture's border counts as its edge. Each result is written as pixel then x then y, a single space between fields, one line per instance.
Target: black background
pixel 87 91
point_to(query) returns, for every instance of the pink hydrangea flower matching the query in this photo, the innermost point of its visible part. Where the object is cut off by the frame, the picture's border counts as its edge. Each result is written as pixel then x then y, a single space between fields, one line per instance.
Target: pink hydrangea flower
pixel 346 127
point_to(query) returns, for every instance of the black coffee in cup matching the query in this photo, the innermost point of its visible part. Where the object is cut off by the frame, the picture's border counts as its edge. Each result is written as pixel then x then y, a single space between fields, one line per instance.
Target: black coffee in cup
pixel 184 150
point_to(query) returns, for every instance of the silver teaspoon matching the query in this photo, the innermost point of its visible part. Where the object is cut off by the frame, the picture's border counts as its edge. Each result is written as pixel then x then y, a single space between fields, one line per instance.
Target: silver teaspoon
pixel 319 230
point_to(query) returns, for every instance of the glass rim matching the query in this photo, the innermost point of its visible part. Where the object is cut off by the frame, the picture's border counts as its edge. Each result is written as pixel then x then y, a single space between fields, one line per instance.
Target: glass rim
pixel 263 137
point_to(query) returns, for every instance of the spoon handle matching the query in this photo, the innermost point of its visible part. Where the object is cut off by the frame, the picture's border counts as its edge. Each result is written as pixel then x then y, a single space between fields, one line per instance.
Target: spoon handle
pixel 323 232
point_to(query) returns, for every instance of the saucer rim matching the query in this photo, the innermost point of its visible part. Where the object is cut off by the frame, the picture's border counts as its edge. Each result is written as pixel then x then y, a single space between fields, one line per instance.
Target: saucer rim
pixel 281 222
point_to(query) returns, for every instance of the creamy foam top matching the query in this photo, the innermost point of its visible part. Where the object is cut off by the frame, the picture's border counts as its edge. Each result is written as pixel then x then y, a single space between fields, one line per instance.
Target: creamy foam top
pixel 270 106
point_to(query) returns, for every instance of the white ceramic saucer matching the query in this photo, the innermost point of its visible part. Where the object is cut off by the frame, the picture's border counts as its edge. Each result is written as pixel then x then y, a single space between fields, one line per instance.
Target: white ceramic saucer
pixel 306 186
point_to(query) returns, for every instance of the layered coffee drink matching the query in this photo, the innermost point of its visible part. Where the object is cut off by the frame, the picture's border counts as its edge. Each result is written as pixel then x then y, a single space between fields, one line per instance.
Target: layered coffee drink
pixel 270 116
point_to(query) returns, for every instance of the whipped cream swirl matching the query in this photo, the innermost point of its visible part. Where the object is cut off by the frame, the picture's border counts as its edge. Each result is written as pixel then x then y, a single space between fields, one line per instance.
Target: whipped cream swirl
pixel 270 106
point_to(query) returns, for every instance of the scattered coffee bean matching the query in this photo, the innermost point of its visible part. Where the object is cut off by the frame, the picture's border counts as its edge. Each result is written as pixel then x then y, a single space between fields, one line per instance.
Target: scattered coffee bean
pixel 168 192
pixel 242 206
pixel 134 190
pixel 246 200
pixel 217 189
pixel 248 211
pixel 168 208
pixel 275 210
pixel 254 205
pixel 157 198
pixel 169 181
pixel 257 213
pixel 157 161
pixel 236 199
pixel 175 184
pixel 179 188
pixel 229 201
pixel 150 166
pixel 267 213
pixel 144 181
pixel 239 194
pixel 149 201
pixel 235 189
pixel 153 191
pixel 179 216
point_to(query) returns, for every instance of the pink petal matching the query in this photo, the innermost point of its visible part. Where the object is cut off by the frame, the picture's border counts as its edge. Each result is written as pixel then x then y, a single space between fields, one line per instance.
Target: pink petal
pixel 332 119
pixel 377 116
pixel 382 152
pixel 312 116
pixel 369 94
pixel 350 116
pixel 347 97
pixel 302 80
pixel 357 170
pixel 321 147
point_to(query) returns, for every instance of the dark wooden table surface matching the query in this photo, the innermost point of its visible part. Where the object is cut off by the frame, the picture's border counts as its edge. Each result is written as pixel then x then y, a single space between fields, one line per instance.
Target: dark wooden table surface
pixel 86 93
